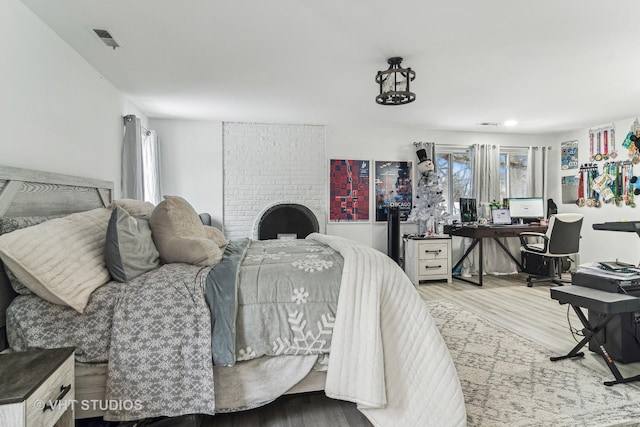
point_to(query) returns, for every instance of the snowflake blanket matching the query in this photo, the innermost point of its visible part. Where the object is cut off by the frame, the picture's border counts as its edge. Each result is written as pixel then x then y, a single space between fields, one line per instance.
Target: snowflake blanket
pixel 387 354
pixel 273 297
pixel 160 359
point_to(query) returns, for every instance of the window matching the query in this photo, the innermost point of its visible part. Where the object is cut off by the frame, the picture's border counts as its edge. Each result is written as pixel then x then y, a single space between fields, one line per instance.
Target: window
pixel 513 173
pixel 140 162
pixel 455 169
pixel 150 167
pixel 455 174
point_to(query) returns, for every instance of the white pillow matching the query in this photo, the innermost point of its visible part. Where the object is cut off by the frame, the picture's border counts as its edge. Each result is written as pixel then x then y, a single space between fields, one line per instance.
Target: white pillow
pixel 60 260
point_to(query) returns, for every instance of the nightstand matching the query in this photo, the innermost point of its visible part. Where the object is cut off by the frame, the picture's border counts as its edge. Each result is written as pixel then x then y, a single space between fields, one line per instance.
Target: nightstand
pixel 37 388
pixel 428 258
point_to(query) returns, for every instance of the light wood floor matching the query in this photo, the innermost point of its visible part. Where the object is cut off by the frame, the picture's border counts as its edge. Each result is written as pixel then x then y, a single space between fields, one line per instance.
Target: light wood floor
pixel 505 300
pixel 530 312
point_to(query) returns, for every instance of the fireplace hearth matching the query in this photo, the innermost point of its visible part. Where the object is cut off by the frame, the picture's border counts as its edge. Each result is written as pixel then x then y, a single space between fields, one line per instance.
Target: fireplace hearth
pixel 287 220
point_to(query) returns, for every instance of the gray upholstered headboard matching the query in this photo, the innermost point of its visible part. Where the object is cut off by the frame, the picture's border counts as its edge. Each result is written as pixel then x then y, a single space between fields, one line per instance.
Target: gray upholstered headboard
pixel 26 192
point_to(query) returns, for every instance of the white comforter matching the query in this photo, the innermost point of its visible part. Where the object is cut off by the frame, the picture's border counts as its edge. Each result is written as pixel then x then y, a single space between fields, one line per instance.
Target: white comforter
pixel 387 354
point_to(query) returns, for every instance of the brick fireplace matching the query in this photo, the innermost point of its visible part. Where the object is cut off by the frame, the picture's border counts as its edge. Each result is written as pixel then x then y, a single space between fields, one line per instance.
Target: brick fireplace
pixel 268 165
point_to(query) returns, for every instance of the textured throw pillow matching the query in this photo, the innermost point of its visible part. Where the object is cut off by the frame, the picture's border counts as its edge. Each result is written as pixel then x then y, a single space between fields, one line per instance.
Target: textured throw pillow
pixel 180 236
pixel 60 260
pixel 129 250
pixel 133 207
pixel 17 285
pixel 9 224
pixel 215 235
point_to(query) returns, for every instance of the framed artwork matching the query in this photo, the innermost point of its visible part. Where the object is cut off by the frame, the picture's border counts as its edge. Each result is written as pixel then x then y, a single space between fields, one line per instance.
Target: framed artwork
pixel 393 188
pixel 349 190
pixel 569 186
pixel 569 155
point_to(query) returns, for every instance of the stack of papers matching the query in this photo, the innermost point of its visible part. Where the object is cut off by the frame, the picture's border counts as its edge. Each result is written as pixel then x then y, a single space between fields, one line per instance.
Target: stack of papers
pixel 610 269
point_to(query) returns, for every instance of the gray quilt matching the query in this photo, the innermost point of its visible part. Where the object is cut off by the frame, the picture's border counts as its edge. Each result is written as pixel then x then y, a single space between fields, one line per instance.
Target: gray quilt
pixel 285 295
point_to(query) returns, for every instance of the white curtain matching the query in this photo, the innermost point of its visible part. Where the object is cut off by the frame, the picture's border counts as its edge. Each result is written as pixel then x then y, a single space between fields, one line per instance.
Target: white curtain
pixel 486 187
pixel 537 177
pixel 486 177
pixel 140 162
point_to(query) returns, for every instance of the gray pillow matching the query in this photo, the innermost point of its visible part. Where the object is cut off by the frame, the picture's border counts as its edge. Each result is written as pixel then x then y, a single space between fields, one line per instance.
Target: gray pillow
pixel 129 250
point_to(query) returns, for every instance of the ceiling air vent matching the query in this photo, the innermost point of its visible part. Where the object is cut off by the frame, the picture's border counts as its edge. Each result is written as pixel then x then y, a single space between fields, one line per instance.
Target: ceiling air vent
pixel 488 124
pixel 106 38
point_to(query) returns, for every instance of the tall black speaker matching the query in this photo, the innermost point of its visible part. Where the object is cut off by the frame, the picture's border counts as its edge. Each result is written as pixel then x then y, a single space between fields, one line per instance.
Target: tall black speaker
pixel 393 233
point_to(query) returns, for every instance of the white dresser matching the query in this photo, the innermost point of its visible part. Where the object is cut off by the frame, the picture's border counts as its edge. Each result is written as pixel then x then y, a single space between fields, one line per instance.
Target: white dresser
pixel 428 258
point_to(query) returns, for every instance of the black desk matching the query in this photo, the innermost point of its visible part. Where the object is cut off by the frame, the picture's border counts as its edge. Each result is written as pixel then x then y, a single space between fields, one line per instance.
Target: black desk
pixel 477 233
pixel 608 303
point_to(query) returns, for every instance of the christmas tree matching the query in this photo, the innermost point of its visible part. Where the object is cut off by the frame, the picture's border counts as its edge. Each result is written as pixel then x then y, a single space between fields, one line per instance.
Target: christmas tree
pixel 429 209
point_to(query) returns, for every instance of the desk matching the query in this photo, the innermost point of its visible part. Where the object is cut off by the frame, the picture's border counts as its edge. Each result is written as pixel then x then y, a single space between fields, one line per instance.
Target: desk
pixel 608 303
pixel 477 233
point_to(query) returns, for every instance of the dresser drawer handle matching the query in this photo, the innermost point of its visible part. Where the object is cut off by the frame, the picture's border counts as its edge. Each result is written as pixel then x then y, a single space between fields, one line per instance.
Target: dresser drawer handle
pixel 433 251
pixel 63 392
pixel 432 266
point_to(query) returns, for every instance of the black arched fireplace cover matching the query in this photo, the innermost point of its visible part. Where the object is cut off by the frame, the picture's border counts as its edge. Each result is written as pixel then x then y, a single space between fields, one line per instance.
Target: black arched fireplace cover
pixel 287 220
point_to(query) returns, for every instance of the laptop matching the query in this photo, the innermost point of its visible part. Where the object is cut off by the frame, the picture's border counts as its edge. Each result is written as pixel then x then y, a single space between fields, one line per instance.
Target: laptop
pixel 500 216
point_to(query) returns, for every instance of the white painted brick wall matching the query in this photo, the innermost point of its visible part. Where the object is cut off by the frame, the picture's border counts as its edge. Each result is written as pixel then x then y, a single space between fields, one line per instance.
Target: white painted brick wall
pixel 267 164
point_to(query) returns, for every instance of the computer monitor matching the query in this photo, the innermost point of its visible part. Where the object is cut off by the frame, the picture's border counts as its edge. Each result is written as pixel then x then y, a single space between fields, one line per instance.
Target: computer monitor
pixel 529 208
pixel 468 211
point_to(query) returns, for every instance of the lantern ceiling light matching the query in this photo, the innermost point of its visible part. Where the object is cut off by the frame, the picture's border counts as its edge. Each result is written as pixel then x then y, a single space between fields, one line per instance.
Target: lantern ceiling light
pixel 394 84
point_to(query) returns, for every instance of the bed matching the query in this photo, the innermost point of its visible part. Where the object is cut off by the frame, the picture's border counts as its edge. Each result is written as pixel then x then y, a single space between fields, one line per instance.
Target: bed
pixel 376 346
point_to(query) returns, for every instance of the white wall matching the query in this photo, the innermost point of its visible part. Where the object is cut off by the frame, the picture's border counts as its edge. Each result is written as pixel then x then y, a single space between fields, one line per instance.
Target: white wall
pixel 396 144
pixel 57 113
pixel 191 162
pixel 192 154
pixel 192 158
pixel 597 245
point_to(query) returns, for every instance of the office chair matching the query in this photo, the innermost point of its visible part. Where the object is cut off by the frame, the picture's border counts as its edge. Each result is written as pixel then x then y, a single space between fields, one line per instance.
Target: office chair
pixel 561 240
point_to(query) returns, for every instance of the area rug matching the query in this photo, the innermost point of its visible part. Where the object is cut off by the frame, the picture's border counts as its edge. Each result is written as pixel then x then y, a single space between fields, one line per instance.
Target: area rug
pixel 508 380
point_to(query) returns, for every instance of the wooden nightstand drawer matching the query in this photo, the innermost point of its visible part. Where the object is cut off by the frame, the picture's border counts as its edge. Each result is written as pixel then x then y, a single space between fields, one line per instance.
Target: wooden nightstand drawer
pixel 37 388
pixel 431 268
pixel 58 391
pixel 433 250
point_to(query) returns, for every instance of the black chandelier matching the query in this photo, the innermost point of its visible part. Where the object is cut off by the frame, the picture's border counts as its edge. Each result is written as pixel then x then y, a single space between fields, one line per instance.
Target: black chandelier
pixel 394 84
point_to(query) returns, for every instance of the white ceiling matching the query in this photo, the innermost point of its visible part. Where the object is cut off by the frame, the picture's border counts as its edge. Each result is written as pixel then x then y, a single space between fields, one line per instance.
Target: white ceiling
pixel 553 65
